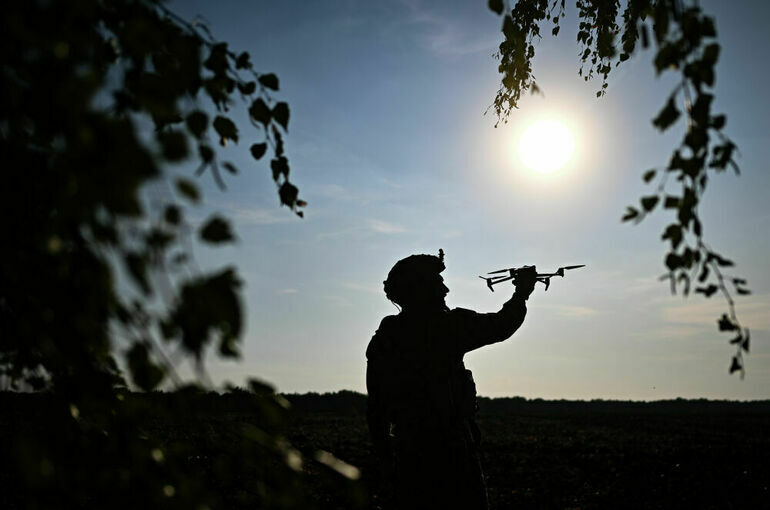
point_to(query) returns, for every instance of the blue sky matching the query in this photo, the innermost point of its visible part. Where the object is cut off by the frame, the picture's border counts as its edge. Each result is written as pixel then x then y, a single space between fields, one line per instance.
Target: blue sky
pixel 390 146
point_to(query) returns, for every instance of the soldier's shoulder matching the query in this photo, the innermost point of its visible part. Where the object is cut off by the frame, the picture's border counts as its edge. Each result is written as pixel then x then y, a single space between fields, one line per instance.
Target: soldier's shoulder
pixel 388 321
pixel 461 313
pixel 381 342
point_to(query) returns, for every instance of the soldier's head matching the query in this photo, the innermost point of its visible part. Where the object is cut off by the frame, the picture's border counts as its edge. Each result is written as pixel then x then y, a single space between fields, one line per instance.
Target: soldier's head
pixel 416 282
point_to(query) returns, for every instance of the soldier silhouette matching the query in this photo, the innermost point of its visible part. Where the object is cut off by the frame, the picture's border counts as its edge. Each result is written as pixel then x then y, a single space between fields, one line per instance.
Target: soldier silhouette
pixel 422 400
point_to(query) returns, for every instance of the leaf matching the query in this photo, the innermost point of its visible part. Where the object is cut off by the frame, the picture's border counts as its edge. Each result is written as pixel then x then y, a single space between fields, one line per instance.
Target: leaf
pixel 649 175
pixel 671 202
pixel 674 261
pixel 711 53
pixel 288 194
pixel 496 6
pixel 674 233
pixel 281 114
pixel 174 145
pixel 631 213
pixel 247 88
pixel 667 116
pixel 668 57
pixel 735 365
pixel 158 239
pixel 280 167
pixel 217 230
pixel 197 122
pixel 230 167
pixel 269 81
pixel 226 129
pixel 704 273
pixel 555 30
pixel 726 324
pixel 340 466
pixel 649 202
pixel 228 348
pixel 707 28
pixel 188 189
pixel 707 291
pixel 701 108
pixel 217 60
pixel 721 261
pixel 145 374
pixel 745 344
pixel 173 215
pixel 208 305
pixel 260 112
pixel 738 339
pixel 260 387
pixel 206 153
pixel 258 150
pixel 242 62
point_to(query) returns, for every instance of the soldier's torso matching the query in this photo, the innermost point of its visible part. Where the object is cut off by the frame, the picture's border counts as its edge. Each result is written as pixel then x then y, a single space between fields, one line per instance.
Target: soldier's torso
pixel 426 381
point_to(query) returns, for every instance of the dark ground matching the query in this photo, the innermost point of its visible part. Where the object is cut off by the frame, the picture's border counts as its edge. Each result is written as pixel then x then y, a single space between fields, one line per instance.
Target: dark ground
pixel 674 454
pixel 537 454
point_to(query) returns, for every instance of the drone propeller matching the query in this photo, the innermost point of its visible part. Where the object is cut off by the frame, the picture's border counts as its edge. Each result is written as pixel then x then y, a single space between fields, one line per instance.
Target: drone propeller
pixel 489 281
pixel 573 267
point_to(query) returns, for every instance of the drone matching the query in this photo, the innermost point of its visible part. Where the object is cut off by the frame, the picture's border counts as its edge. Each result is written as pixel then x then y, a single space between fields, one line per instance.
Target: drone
pixel 544 278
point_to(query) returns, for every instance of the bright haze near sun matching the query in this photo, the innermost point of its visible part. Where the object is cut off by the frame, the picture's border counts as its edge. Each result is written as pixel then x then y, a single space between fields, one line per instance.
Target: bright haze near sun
pixel 546 145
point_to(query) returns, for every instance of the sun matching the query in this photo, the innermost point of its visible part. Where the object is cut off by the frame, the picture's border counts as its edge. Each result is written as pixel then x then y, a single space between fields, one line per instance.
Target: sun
pixel 546 146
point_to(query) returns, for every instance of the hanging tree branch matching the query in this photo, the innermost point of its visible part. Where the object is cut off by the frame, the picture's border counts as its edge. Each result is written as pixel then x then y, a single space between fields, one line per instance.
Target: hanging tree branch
pixel 684 40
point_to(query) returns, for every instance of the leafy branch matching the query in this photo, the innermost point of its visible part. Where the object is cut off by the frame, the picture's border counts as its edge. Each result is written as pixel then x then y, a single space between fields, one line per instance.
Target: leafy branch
pixel 684 39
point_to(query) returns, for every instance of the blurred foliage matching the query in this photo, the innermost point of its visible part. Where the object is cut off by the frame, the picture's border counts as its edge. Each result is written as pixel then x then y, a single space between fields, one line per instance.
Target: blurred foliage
pixel 684 40
pixel 98 100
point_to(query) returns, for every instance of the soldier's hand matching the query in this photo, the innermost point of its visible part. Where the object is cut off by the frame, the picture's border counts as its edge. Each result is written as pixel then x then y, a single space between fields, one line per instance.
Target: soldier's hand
pixel 525 281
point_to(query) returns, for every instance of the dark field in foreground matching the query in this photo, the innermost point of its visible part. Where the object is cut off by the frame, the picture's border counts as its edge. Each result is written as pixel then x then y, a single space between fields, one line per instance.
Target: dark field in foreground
pixel 536 454
pixel 539 454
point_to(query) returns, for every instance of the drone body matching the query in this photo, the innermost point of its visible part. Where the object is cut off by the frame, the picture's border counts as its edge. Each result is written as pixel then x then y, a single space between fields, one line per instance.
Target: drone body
pixel 544 278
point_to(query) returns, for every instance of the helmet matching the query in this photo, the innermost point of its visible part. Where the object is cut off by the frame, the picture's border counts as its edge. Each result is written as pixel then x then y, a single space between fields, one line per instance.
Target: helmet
pixel 406 272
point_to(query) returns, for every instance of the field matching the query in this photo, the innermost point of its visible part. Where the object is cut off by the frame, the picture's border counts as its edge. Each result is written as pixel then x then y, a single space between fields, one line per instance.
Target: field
pixel 595 455
pixel 536 454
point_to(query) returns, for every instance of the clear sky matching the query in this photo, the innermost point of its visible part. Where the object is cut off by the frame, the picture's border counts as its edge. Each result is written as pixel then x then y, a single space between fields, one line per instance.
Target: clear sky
pixel 390 146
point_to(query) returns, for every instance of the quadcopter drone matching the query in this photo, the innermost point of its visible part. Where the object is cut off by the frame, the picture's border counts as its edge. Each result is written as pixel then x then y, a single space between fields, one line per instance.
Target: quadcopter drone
pixel 544 278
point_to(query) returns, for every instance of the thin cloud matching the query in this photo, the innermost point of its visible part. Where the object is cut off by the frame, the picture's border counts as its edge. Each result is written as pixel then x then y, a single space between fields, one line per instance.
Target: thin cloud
pixel 337 301
pixel 445 37
pixel 390 183
pixel 257 216
pixel 383 227
pixel 285 292
pixel 334 234
pixel 577 312
pixel 372 289
pixel 753 312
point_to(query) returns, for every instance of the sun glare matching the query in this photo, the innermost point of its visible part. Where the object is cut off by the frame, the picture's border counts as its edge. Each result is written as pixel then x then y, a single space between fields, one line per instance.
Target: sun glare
pixel 546 146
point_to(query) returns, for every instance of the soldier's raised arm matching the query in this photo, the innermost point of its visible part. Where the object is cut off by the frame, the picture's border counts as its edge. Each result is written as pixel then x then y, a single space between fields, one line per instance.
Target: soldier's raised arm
pixel 480 329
